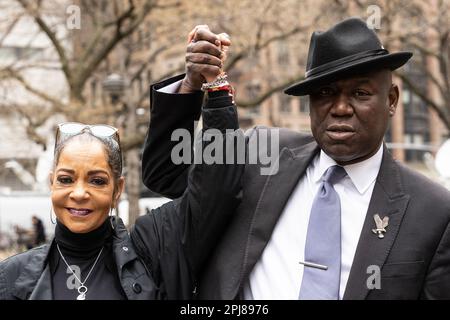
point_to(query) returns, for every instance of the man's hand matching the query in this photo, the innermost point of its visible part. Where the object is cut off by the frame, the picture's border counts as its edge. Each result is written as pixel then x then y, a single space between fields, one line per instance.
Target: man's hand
pixel 205 55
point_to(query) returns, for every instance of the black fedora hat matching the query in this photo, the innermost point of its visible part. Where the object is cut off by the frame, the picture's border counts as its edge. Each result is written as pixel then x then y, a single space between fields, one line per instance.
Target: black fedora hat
pixel 349 47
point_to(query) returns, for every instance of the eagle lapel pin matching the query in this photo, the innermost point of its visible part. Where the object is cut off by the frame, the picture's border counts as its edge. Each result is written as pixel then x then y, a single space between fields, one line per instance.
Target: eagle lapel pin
pixel 381 225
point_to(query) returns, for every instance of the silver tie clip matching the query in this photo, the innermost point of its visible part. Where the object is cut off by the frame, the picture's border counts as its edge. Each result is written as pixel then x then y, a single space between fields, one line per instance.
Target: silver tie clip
pixel 314 265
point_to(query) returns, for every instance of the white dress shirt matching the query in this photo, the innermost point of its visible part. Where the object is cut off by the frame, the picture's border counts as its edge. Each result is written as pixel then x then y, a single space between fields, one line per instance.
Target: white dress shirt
pixel 278 273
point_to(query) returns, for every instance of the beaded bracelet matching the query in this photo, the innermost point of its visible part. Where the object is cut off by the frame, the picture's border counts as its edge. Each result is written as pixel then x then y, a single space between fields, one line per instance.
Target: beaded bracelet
pixel 219 82
pixel 227 87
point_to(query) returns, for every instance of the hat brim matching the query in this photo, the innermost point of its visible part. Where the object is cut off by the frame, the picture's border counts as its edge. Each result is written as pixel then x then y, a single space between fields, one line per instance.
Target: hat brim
pixel 391 61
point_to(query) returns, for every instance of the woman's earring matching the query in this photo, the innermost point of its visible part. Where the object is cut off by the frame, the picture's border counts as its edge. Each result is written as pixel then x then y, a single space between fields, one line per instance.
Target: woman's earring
pixel 51 216
pixel 111 215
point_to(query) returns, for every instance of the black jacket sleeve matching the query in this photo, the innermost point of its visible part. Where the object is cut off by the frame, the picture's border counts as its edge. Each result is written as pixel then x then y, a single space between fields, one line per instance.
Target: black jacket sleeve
pixel 176 239
pixel 168 112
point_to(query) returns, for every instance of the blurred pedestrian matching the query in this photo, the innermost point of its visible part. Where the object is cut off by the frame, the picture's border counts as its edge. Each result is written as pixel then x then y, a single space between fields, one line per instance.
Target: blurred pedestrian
pixel 39 231
pixel 23 238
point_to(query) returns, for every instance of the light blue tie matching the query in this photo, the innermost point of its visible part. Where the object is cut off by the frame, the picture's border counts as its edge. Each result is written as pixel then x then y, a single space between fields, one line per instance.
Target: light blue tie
pixel 323 241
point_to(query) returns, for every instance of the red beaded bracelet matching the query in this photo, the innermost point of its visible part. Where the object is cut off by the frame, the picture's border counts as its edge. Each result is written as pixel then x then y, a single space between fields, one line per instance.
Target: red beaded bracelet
pixel 226 87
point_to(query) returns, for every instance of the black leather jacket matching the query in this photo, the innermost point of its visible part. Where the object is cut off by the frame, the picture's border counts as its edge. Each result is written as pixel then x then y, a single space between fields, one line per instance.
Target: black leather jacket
pixel 27 275
pixel 165 250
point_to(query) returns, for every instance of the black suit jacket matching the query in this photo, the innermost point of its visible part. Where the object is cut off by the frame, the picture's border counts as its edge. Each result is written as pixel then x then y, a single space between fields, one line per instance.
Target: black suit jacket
pixel 414 255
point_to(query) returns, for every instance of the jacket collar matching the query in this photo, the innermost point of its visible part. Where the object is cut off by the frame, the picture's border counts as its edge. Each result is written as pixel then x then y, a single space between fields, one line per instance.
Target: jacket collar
pixel 362 174
pixel 32 274
pixel 122 246
pixel 388 199
pixel 34 282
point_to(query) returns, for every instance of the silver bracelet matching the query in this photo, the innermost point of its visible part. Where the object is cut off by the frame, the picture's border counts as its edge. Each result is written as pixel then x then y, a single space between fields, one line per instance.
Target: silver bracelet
pixel 220 81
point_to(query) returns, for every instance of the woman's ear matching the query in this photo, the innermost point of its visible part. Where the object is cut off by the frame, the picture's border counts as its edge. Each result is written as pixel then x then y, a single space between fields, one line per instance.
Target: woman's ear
pixel 50 178
pixel 119 190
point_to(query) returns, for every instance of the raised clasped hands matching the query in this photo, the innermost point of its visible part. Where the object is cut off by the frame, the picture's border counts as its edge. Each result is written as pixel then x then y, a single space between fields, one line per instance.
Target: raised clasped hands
pixel 205 56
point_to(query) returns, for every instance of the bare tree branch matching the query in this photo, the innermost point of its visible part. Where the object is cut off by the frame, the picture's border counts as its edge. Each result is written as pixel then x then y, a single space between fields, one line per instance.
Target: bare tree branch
pixel 9 73
pixel 10 28
pixel 268 93
pixel 261 23
pixel 134 141
pixel 91 64
pixel 443 112
pixel 34 122
pixel 235 58
pixel 167 5
pixel 52 36
pixel 148 61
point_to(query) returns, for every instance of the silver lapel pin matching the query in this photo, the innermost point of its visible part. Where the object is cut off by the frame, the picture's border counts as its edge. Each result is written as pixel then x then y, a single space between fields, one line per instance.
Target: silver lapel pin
pixel 381 225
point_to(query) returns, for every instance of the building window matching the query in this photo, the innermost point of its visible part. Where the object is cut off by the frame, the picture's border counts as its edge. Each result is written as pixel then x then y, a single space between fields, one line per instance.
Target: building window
pixel 304 104
pixel 285 103
pixel 406 96
pixel 417 131
pixel 283 53
pixel 253 91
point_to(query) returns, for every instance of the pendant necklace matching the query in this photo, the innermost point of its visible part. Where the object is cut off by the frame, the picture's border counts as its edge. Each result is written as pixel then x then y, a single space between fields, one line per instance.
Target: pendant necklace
pixel 82 289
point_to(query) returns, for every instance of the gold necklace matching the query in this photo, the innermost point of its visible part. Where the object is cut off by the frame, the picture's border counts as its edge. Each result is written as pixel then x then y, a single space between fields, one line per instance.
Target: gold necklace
pixel 82 289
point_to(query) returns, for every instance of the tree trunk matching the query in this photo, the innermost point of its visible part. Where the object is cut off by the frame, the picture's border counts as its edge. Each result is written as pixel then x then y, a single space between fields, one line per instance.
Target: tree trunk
pixel 133 164
pixel 133 185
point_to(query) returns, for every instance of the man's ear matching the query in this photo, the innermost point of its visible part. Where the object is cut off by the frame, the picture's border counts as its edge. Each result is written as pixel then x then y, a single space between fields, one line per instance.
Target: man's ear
pixel 394 94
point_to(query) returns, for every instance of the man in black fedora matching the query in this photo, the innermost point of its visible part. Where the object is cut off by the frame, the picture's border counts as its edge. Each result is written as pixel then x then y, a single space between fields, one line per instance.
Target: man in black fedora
pixel 340 219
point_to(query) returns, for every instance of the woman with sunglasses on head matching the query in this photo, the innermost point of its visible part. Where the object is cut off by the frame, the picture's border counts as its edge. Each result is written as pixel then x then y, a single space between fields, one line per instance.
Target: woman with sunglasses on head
pixel 92 256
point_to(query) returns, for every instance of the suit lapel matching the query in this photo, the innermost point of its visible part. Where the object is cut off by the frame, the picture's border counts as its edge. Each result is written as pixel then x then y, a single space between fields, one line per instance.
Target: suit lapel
pixel 388 199
pixel 274 196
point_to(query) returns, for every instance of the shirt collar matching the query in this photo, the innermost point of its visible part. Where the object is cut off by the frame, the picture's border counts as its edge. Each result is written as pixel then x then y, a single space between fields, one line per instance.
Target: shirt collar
pixel 362 174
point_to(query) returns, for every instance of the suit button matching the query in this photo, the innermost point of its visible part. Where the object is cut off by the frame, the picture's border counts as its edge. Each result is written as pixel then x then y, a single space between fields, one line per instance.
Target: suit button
pixel 137 287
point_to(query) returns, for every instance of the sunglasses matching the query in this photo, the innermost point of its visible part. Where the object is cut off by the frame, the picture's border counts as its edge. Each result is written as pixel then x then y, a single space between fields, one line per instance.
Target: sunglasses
pixel 101 131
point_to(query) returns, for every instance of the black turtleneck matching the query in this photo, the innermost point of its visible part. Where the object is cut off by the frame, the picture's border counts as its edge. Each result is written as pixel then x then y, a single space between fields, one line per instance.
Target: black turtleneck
pixel 80 251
